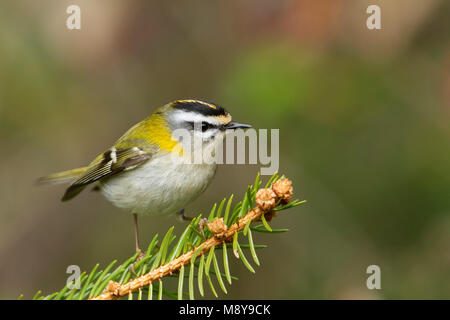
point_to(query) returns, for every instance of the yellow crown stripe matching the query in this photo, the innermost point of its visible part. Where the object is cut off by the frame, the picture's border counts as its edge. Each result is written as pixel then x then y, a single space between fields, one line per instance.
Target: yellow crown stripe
pixel 210 105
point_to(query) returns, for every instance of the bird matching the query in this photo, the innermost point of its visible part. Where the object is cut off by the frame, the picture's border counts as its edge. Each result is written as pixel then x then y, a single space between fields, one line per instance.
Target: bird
pixel 145 172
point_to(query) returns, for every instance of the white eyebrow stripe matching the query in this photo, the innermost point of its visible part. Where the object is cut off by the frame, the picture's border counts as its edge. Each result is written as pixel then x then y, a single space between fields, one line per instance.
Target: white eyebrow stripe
pixel 183 116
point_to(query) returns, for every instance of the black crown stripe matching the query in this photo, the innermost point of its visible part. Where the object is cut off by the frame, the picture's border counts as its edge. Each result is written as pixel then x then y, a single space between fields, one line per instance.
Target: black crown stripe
pixel 200 106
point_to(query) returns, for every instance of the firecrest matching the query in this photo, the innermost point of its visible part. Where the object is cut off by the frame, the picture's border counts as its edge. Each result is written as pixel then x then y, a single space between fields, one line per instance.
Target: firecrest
pixel 140 173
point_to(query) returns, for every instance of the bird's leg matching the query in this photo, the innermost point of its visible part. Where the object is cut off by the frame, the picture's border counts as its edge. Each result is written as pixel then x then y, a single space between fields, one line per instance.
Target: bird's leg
pixel 183 216
pixel 136 239
pixel 201 223
pixel 136 232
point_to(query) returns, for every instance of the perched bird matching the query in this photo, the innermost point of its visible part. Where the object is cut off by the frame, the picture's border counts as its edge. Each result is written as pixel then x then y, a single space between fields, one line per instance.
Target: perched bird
pixel 141 174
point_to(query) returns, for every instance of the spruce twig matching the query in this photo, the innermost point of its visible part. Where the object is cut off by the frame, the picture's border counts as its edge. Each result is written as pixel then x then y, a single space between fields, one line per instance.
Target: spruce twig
pixel 168 259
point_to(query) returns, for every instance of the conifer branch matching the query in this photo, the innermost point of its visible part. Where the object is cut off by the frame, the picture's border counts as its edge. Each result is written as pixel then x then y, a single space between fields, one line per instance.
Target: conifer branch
pixel 115 290
pixel 221 232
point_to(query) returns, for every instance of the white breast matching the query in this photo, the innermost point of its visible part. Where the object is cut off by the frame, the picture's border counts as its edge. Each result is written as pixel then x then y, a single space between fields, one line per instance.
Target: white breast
pixel 159 186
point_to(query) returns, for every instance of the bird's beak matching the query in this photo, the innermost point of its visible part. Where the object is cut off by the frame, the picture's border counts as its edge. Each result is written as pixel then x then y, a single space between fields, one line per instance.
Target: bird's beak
pixel 237 125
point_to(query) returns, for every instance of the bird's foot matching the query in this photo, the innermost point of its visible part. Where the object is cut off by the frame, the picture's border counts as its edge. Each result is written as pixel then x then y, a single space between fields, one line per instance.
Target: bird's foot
pixel 183 217
pixel 139 258
pixel 201 224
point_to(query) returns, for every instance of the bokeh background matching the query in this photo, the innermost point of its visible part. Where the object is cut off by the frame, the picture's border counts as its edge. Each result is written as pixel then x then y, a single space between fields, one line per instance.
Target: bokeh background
pixel 364 119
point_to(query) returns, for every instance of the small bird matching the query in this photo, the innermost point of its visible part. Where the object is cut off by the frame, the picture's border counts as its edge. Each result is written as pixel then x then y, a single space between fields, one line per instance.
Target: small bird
pixel 139 174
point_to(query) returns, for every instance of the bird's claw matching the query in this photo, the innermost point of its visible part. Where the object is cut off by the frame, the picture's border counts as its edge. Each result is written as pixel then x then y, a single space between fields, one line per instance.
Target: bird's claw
pixel 201 225
pixel 139 258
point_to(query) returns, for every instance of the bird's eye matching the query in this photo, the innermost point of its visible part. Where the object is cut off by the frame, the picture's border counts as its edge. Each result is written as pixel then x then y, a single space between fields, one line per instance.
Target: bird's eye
pixel 205 126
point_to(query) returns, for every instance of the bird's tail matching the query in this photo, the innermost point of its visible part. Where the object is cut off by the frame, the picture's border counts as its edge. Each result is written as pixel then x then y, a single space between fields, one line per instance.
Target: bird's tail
pixel 62 177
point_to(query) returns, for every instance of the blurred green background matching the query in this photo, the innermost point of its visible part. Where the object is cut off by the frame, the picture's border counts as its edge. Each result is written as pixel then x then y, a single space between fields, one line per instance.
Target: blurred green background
pixel 364 134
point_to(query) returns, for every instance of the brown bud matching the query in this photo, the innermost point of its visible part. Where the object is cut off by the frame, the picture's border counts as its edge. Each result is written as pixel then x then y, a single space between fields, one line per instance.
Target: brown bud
pixel 217 226
pixel 283 189
pixel 113 287
pixel 265 199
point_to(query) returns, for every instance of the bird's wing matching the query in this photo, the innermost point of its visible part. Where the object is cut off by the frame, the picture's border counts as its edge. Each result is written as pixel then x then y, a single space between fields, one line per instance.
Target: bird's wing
pixel 113 161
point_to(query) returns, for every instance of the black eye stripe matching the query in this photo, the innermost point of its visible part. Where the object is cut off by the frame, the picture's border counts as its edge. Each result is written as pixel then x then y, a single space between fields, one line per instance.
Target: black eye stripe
pixel 190 125
pixel 203 125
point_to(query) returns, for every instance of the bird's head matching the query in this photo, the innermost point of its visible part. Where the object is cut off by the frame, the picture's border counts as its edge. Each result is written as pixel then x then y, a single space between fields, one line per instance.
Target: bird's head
pixel 205 120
